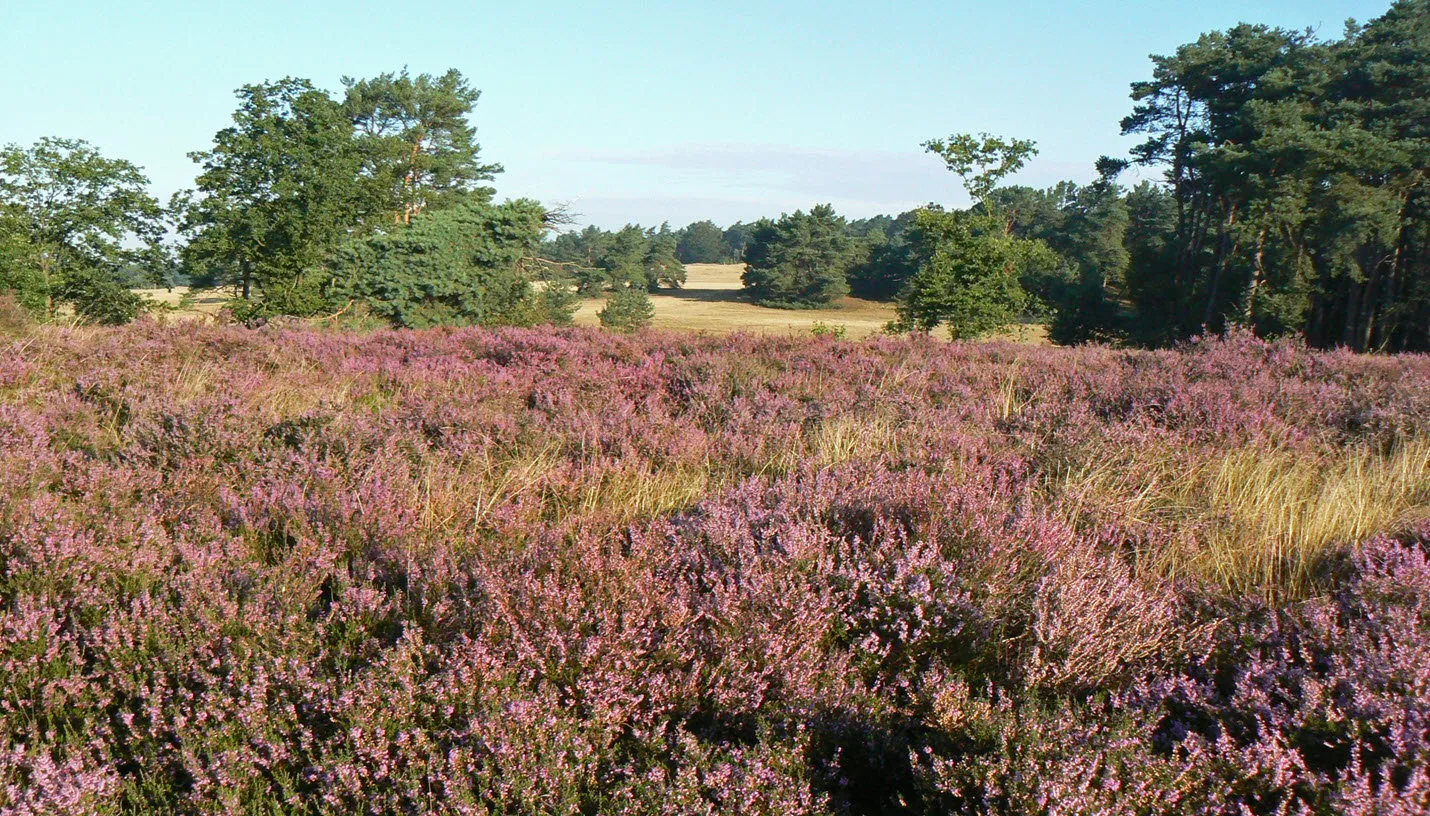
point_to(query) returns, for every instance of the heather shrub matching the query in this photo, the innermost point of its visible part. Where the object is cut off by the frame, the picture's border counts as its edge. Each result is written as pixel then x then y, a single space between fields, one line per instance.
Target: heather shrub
pixel 574 571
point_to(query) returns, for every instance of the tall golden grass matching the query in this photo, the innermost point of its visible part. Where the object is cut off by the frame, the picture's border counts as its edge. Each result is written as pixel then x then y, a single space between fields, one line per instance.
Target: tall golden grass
pixel 1258 520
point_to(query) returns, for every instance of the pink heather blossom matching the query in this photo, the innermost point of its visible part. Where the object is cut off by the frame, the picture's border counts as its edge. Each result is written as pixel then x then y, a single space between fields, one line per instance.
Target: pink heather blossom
pixel 567 572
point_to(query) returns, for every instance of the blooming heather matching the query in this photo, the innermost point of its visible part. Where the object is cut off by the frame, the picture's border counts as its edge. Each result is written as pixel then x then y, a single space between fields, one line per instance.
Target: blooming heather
pixel 537 571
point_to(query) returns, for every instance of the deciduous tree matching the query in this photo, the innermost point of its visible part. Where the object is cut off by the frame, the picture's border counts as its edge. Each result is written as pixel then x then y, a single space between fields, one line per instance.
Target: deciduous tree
pixel 71 221
pixel 277 193
pixel 970 278
pixel 701 242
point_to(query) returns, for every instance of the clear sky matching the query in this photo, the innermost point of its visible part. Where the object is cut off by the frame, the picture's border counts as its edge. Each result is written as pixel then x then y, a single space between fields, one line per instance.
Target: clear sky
pixel 638 111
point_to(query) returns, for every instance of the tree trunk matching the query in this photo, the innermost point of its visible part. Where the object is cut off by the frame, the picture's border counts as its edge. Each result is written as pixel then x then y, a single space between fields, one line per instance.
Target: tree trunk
pixel 1225 252
pixel 1352 307
pixel 1257 273
pixel 45 263
pixel 1365 320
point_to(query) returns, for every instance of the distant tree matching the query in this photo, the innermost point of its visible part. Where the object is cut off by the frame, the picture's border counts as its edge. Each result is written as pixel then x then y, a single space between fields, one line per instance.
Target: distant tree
pixel 628 309
pixel 467 264
pixel 1086 227
pixel 866 227
pixel 579 254
pixel 969 280
pixel 71 222
pixel 662 267
pixel 893 253
pixel 1152 247
pixel 800 261
pixel 737 236
pixel 585 247
pixel 701 242
pixel 418 148
pixel 278 192
pixel 623 261
pixel 1095 251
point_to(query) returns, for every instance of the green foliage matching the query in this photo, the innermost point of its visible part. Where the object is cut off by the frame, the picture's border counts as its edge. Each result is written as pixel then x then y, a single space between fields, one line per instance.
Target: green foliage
pixel 892 255
pixel 982 161
pixel 21 279
pixel 628 309
pixel 1296 185
pixel 633 256
pixel 299 174
pixel 623 262
pixel 583 248
pixel 71 223
pixel 279 191
pixel 736 238
pixel 701 242
pixel 1086 226
pixel 662 266
pixel 800 261
pixel 98 297
pixel 1151 249
pixel 418 149
pixel 579 253
pixel 973 264
pixel 970 281
pixel 468 264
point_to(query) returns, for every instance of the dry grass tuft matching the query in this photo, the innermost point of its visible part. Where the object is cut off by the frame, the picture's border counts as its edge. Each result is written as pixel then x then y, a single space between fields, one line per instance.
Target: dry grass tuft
pixel 845 438
pixel 1272 517
pixel 1258 520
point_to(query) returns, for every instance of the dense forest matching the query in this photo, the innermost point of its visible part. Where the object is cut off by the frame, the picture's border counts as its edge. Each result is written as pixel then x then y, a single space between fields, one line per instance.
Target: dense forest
pixel 1290 197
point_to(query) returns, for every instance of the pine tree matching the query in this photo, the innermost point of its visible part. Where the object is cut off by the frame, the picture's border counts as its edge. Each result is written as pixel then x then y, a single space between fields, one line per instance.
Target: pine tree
pixel 800 261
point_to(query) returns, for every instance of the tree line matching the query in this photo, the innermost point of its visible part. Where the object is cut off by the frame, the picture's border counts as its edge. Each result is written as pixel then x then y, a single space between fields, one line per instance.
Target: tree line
pixel 1293 200
pixel 1290 197
pixel 309 202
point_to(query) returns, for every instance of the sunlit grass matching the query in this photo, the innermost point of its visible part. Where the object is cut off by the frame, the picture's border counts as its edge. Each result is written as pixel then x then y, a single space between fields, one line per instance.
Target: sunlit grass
pixel 1255 520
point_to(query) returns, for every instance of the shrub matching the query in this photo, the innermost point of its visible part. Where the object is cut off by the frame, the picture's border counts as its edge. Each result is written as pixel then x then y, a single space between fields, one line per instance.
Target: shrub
pixel 531 571
pixel 98 297
pixel 627 310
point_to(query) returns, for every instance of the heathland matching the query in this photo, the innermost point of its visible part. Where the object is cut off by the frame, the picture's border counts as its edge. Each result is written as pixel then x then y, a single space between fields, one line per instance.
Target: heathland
pixel 411 500
pixel 546 570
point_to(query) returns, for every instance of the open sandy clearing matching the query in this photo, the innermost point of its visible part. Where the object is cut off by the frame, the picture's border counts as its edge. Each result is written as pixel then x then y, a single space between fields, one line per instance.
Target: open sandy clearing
pixel 714 301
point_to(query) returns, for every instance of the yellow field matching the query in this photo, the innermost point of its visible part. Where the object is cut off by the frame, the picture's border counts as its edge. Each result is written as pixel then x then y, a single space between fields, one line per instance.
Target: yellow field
pixel 203 307
pixel 712 301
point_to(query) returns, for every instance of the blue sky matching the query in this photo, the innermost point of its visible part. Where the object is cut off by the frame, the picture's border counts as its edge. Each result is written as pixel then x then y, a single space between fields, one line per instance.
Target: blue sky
pixel 632 111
